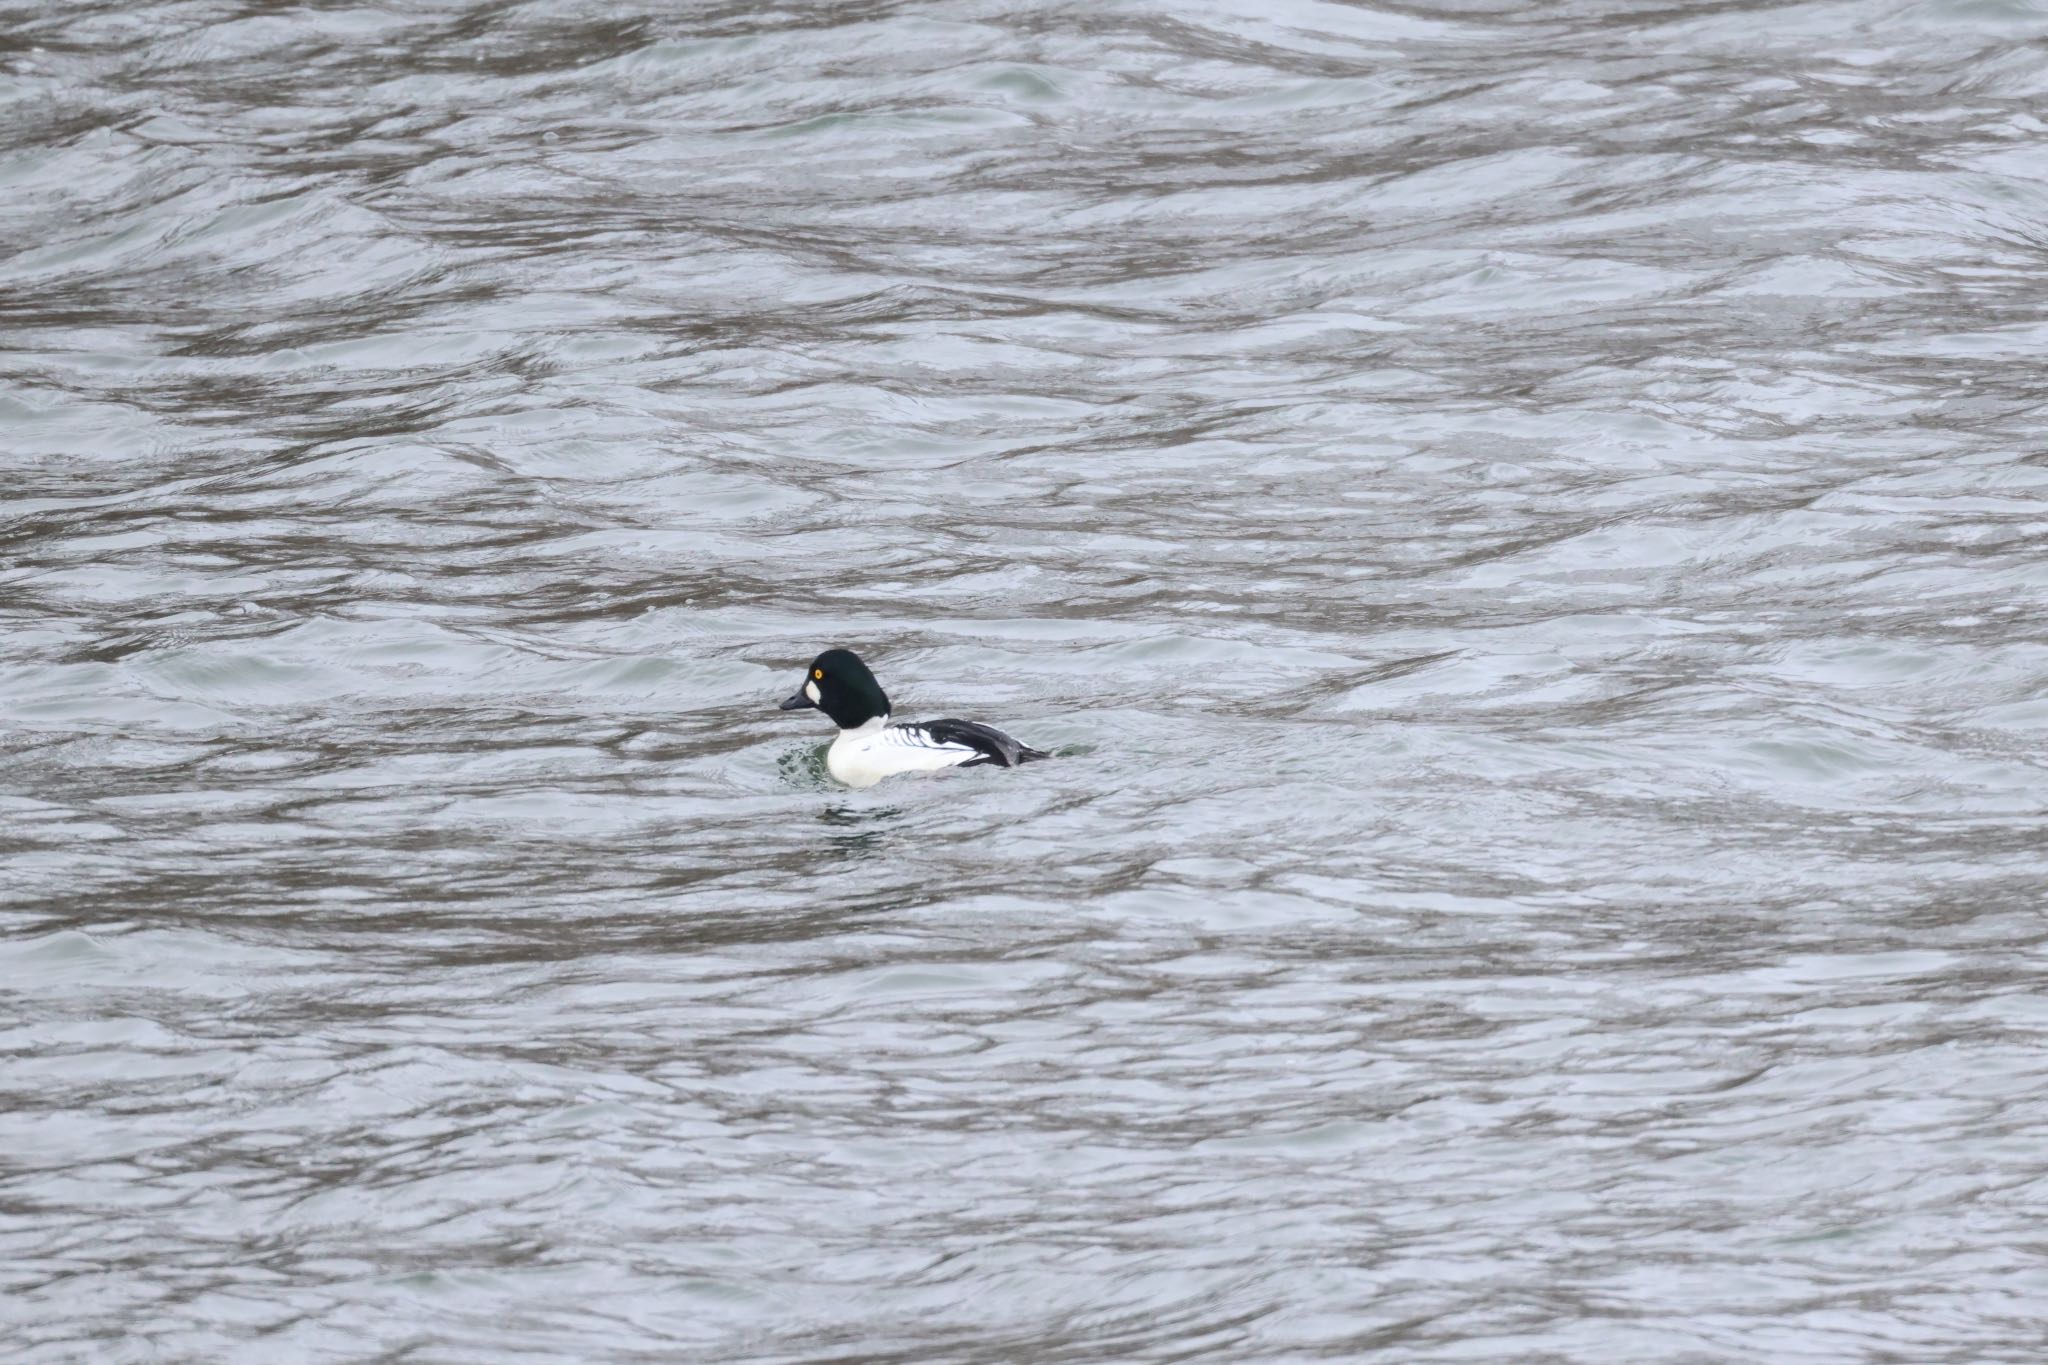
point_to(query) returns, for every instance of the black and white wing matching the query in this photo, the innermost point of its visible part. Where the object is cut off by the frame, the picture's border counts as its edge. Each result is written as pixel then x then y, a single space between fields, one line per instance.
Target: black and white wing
pixel 989 744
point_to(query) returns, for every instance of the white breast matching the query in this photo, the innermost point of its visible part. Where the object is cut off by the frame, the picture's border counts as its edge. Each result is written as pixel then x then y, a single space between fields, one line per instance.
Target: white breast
pixel 863 757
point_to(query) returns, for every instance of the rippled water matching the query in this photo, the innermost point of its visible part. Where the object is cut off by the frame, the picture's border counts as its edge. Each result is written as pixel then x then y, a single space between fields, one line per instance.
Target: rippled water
pixel 1525 524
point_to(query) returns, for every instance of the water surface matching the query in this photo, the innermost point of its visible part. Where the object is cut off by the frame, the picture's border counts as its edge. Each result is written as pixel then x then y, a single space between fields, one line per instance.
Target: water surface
pixel 1524 523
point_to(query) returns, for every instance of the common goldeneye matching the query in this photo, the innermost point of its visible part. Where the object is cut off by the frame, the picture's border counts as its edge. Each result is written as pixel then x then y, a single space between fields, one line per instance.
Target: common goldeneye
pixel 869 748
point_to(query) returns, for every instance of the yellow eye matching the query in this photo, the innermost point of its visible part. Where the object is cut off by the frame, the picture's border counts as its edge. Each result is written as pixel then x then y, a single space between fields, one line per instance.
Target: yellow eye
pixel 818 673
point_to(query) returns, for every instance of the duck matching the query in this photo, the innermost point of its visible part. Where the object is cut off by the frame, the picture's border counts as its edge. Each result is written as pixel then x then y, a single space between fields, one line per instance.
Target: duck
pixel 870 747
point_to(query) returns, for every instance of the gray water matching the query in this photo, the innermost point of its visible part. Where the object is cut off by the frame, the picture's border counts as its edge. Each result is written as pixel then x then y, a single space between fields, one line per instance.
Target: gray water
pixel 1524 525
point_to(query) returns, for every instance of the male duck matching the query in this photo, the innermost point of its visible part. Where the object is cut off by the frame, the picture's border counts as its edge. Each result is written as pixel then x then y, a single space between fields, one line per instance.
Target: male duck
pixel 869 748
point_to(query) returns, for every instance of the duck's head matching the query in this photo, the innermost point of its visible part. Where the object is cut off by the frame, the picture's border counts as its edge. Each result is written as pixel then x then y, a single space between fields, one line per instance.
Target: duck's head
pixel 839 684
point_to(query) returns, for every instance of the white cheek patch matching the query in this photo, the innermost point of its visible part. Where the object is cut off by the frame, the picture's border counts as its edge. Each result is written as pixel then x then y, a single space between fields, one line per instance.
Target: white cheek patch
pixel 811 691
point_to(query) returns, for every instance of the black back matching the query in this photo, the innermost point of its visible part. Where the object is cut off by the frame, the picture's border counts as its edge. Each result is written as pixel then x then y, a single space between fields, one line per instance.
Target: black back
pixel 995 746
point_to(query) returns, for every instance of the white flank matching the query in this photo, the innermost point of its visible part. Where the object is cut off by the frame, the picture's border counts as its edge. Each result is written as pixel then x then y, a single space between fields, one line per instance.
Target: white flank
pixel 863 757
